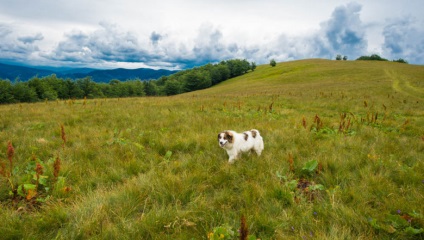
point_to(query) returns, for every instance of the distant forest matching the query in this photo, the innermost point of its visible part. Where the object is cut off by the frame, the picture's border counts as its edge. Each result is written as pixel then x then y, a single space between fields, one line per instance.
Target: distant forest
pixel 53 88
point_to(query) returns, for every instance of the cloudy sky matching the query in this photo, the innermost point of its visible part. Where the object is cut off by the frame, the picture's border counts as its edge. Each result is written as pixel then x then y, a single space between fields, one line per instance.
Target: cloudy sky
pixel 179 34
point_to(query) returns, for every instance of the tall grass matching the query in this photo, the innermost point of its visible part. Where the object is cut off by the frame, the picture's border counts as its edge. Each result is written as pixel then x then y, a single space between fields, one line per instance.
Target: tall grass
pixel 151 168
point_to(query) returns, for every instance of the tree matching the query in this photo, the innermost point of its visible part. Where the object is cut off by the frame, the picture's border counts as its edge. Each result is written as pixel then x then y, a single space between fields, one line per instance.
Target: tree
pixel 72 90
pixel 55 84
pixel 196 80
pixel 238 67
pixel 345 58
pixel 43 89
pixel 172 87
pixel 219 73
pixel 117 89
pixel 338 57
pixel 373 57
pixel 6 94
pixel 252 66
pixel 400 60
pixel 150 88
pixel 273 63
pixel 89 88
pixel 23 93
pixel 136 88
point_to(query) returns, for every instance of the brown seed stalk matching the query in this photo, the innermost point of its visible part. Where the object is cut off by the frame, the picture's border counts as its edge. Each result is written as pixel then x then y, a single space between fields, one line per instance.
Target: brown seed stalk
pixel 56 168
pixel 244 232
pixel 10 154
pixel 291 162
pixel 63 135
pixel 38 172
pixel 304 122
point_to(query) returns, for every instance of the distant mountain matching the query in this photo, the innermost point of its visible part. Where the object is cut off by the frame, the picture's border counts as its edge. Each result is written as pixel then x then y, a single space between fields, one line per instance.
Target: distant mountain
pixel 121 74
pixel 13 72
pixel 76 70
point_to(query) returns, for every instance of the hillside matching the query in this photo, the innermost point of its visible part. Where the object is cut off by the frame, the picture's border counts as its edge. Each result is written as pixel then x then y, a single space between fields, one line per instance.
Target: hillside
pixel 344 143
pixel 326 75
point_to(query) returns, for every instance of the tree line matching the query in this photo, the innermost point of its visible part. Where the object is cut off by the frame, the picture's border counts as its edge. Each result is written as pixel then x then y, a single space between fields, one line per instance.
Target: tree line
pixel 373 57
pixel 53 88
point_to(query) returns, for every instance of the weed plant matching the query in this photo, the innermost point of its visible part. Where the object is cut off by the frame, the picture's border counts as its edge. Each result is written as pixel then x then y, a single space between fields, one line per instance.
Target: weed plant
pixel 151 168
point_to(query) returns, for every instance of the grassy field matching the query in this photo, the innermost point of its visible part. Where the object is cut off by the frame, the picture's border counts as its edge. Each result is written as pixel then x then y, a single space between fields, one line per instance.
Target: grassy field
pixel 343 159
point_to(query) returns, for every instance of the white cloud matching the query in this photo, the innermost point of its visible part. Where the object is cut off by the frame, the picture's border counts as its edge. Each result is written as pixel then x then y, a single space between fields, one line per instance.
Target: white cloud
pixel 181 34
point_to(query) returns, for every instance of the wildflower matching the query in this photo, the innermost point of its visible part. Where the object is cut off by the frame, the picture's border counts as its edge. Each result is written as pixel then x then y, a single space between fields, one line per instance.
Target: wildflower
pixel 399 211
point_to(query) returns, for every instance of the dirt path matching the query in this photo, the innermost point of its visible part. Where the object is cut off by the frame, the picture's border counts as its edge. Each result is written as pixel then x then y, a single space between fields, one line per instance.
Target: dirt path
pixel 403 85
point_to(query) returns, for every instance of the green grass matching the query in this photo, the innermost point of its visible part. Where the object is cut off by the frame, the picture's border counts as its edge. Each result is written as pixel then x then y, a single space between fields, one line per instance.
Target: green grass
pixel 151 168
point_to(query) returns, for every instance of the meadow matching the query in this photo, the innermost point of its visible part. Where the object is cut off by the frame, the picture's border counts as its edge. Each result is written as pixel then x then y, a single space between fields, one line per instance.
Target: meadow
pixel 343 159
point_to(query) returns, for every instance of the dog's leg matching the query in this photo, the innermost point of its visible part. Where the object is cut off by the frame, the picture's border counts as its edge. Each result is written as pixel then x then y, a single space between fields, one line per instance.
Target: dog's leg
pixel 233 155
pixel 258 151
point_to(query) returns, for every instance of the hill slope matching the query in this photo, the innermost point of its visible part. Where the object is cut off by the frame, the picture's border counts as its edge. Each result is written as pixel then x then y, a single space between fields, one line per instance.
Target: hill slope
pixel 314 75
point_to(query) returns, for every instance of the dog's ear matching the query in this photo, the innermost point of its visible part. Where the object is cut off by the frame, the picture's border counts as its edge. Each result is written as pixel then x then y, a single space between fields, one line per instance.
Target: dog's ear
pixel 246 136
pixel 229 136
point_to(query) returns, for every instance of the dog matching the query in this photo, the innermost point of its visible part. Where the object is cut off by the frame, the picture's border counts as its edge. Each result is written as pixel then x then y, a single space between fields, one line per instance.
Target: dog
pixel 237 143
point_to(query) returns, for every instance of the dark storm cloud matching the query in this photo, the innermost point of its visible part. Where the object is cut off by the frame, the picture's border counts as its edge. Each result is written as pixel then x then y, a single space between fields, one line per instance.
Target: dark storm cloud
pixel 208 45
pixel 31 39
pixel 404 39
pixel 344 32
pixel 12 48
pixel 108 43
pixel 155 38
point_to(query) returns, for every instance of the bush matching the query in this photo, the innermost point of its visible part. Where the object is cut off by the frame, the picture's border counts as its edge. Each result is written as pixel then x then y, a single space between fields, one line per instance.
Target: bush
pixel 373 57
pixel 400 60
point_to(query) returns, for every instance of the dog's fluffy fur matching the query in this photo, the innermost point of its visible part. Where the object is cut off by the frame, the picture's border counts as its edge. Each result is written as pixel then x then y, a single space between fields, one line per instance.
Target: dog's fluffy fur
pixel 237 143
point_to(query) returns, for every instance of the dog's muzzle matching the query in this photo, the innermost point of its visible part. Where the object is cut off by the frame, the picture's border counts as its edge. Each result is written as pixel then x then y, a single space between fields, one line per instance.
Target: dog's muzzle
pixel 222 144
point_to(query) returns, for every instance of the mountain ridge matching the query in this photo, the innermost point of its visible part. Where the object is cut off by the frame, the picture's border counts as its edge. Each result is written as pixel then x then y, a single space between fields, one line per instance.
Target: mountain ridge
pixel 24 73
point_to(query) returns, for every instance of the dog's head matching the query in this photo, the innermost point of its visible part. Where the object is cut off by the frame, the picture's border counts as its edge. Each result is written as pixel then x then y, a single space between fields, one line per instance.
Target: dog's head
pixel 225 138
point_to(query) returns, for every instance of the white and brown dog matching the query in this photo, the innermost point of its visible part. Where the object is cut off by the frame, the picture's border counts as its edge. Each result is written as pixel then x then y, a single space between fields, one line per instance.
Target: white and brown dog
pixel 237 143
